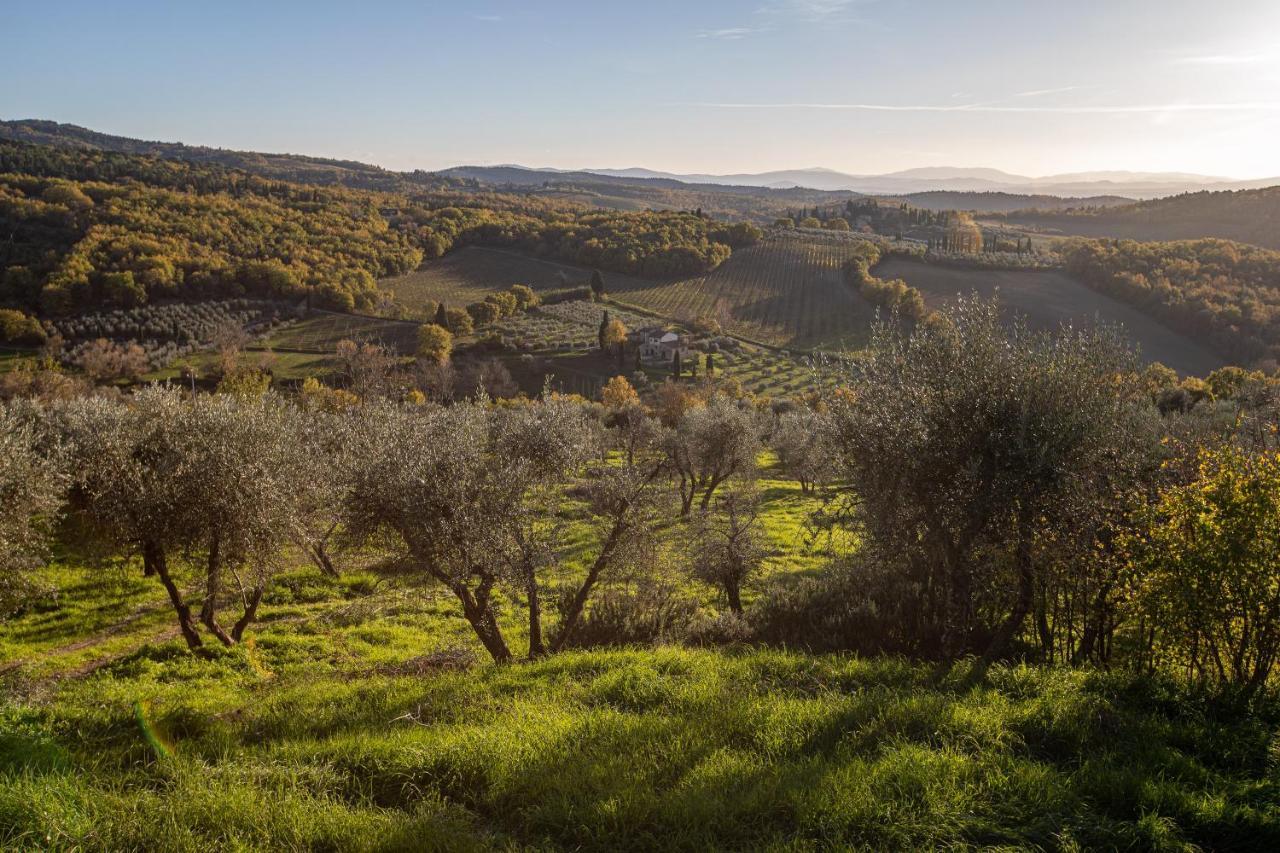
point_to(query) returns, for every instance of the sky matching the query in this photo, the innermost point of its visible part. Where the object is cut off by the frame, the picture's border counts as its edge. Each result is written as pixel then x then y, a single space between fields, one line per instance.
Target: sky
pixel 712 86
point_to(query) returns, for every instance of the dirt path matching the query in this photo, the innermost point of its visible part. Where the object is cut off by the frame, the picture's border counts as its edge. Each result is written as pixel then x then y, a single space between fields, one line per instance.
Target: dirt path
pixel 95 639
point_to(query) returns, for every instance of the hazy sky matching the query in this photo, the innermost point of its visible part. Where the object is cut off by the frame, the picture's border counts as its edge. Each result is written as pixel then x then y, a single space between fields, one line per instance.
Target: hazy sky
pixel 861 86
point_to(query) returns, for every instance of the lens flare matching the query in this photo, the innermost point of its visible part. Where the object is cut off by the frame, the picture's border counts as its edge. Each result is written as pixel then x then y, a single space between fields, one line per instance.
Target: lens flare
pixel 150 732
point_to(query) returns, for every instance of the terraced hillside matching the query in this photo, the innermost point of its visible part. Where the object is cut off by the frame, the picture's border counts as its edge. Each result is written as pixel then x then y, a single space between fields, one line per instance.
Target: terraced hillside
pixel 1048 299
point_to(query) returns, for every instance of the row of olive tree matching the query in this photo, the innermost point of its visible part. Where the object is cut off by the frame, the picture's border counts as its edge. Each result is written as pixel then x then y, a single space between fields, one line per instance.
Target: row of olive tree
pixel 471 496
pixel 1014 492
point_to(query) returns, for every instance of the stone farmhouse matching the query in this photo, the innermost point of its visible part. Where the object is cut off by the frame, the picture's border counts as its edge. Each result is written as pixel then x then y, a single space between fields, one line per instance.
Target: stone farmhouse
pixel 659 346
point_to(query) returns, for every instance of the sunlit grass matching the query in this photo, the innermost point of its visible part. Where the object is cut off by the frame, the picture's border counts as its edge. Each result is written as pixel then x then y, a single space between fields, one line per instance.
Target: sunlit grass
pixel 637 749
pixel 329 730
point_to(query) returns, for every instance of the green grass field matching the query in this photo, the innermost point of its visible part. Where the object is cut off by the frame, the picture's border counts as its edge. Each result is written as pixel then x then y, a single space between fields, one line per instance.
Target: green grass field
pixel 354 721
pixel 473 272
pixel 321 332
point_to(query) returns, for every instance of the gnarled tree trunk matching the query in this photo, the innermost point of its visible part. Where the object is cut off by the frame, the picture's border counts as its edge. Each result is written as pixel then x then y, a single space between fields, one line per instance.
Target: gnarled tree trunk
pixel 155 562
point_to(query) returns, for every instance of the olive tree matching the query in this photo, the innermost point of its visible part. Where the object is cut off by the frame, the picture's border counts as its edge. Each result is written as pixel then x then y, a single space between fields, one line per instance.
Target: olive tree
pixel 631 430
pixel 31 493
pixel 727 549
pixel 801 440
pixel 215 477
pixel 466 495
pixel 972 447
pixel 709 445
pixel 250 473
pixel 130 484
pixel 325 443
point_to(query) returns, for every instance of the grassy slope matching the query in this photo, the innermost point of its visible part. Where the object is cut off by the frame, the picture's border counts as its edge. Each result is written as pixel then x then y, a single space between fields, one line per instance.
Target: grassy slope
pixel 324 733
pixel 473 272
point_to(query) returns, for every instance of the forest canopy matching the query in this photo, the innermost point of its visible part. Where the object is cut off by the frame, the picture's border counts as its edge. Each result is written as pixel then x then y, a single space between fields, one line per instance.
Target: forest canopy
pixel 89 229
pixel 1223 293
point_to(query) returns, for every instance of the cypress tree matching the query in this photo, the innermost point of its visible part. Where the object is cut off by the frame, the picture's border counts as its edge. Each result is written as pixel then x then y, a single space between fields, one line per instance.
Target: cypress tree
pixel 604 324
pixel 675 364
pixel 441 318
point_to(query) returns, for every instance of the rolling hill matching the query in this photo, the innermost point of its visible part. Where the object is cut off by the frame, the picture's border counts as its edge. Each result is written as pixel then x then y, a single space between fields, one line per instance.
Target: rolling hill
pixel 287 167
pixel 785 291
pixel 964 180
pixel 1247 216
pixel 789 291
pixel 1001 202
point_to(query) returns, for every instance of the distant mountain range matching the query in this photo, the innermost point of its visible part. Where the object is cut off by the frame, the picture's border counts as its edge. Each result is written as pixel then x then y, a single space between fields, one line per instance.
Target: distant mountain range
pixel 1172 205
pixel 1133 185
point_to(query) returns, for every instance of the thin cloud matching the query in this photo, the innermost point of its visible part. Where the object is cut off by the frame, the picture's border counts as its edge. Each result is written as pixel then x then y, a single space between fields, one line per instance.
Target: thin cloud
pixel 821 8
pixel 730 33
pixel 1226 59
pixel 1035 93
pixel 1241 107
pixel 492 19
pixel 811 10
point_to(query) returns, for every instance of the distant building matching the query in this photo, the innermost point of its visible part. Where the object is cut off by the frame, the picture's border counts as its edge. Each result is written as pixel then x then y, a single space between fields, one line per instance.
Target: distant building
pixel 659 346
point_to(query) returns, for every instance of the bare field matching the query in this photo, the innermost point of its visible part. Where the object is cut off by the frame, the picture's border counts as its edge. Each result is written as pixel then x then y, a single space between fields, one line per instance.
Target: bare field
pixel 1048 299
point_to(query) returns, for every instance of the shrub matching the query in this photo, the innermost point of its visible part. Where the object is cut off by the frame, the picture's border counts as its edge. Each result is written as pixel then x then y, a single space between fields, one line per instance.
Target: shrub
pixel 484 313
pixel 105 361
pixel 861 605
pixel 435 343
pixel 618 393
pixel 17 328
pixel 506 303
pixel 524 295
pixel 458 321
pixel 651 611
pixel 1207 564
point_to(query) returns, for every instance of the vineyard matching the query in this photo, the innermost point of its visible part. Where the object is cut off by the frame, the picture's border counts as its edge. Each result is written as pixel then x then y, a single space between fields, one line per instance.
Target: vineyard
pixel 1048 299
pixel 570 328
